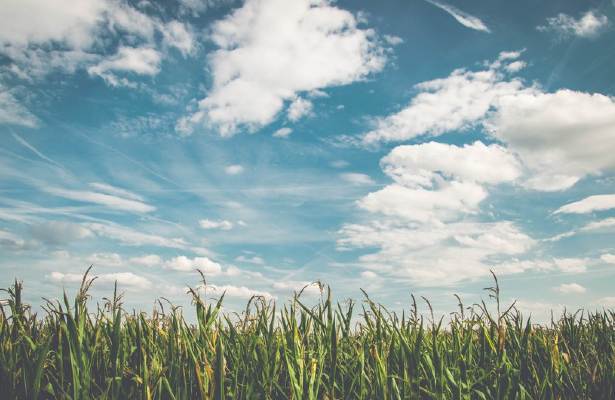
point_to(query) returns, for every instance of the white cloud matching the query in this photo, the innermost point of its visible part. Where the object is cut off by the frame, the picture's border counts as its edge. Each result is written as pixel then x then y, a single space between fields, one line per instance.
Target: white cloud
pixel 423 164
pixel 371 275
pixel 131 237
pixel 205 264
pixel 308 288
pixel 137 60
pixel 299 108
pixel 178 35
pixel 59 232
pixel 107 200
pixel 122 278
pixel 12 112
pixel 606 302
pixel 339 164
pixel 10 241
pixel 435 181
pixel 608 258
pixel 429 254
pixel 241 292
pixel 250 260
pixel 356 178
pixel 604 224
pixel 27 22
pixel 212 224
pixel 590 25
pixel 515 66
pixel 418 204
pixel 116 191
pixel 465 19
pixel 570 288
pixel 196 7
pixel 589 204
pixel 235 169
pixel 560 137
pixel 442 105
pixel 149 260
pixel 104 259
pixel 418 222
pixel 572 265
pixel 62 35
pixel 393 40
pixel 263 60
pixel 282 132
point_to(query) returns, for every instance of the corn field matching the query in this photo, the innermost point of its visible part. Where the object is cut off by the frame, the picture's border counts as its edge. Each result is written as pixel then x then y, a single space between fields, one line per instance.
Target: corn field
pixel 322 351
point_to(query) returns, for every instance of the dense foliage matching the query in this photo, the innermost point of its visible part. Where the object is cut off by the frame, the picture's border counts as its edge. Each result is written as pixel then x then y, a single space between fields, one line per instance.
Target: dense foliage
pixel 299 352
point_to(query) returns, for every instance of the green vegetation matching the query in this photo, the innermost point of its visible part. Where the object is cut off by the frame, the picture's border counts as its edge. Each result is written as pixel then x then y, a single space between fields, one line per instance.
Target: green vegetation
pixel 299 352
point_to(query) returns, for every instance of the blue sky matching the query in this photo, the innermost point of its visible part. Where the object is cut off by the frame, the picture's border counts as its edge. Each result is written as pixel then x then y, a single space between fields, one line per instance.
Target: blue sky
pixel 396 146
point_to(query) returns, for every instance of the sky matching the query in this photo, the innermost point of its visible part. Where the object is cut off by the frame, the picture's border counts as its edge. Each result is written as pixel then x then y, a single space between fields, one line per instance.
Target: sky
pixel 400 147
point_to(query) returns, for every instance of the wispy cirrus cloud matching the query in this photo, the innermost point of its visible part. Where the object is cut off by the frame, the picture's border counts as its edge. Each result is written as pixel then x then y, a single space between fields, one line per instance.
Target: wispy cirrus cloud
pixel 465 19
pixel 104 199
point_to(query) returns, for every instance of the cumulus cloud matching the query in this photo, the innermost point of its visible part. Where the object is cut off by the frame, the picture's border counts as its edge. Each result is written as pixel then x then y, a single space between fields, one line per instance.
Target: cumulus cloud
pixel 559 137
pixel 436 181
pixel 122 278
pixel 456 102
pixel 299 108
pixel 264 61
pixel 465 19
pixel 178 35
pixel 148 260
pixel 38 38
pixel 240 292
pixel 136 60
pixel 205 264
pixel 589 204
pixel 417 223
pixel 570 288
pixel 105 259
pixel 423 164
pixel 589 25
pixel 32 22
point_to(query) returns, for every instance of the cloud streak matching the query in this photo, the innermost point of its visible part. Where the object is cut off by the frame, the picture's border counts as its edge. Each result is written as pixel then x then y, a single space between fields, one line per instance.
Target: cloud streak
pixel 465 19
